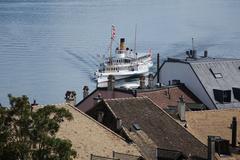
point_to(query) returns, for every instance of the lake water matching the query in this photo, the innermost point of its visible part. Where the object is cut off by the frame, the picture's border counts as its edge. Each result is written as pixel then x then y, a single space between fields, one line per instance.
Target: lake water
pixel 48 47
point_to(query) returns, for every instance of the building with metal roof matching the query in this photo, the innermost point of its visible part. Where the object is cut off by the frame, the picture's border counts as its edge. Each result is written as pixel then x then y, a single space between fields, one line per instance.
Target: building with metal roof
pixel 215 81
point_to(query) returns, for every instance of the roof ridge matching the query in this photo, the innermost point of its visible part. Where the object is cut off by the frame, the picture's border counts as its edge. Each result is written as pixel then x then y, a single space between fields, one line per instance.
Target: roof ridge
pixel 110 109
pixel 125 98
pixel 218 110
pixel 175 86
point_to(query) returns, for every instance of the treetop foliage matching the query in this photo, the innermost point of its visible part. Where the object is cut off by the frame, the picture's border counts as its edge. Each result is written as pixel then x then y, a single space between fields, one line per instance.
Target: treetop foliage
pixel 27 133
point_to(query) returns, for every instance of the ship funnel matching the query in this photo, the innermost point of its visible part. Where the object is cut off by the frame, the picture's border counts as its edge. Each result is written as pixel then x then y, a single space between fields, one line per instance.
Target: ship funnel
pixel 122 44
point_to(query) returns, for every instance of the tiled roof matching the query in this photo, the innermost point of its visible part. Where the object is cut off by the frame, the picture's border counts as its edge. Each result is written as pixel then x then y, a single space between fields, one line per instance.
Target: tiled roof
pixel 161 128
pixel 212 122
pixel 90 137
pixel 158 95
pixel 88 103
pixel 163 99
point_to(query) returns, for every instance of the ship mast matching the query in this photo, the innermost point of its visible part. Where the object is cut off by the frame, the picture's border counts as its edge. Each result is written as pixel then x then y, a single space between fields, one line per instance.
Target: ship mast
pixel 135 39
pixel 113 34
pixel 110 51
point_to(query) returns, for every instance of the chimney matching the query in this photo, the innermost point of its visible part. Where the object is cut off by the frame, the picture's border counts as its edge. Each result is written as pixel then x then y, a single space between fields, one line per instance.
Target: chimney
pixel 111 82
pixel 205 54
pixel 191 54
pixel 85 91
pixel 150 80
pixel 181 109
pixel 142 82
pixel 122 44
pixel 70 97
pixel 158 68
pixel 168 93
pixel 98 98
pixel 234 132
pixel 119 124
pixel 211 147
pixel 188 54
pixel 194 54
pixel 100 116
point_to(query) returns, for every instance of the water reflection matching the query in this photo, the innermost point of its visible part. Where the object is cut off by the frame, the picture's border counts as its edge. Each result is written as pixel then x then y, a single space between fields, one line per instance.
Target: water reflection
pixel 48 47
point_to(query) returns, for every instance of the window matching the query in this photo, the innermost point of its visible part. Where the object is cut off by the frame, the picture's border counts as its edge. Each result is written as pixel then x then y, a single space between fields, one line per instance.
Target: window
pixel 222 95
pixel 236 93
pixel 216 74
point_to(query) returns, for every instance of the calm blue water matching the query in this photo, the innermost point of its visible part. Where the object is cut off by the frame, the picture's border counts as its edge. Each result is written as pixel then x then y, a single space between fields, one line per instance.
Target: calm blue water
pixel 48 47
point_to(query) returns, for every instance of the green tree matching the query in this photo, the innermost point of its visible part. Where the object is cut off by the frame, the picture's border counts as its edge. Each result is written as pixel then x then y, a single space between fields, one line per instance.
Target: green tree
pixel 29 133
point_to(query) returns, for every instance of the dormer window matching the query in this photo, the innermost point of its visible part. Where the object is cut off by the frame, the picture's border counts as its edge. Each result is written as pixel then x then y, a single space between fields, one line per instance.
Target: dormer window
pixel 236 93
pixel 216 74
pixel 222 95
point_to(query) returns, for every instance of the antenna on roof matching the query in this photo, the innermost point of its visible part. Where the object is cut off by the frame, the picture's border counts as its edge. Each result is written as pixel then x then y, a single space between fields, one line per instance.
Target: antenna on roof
pixel 192 43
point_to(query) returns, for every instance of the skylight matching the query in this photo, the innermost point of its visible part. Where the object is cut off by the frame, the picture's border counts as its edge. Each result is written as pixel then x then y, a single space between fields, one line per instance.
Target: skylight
pixel 216 74
pixel 136 126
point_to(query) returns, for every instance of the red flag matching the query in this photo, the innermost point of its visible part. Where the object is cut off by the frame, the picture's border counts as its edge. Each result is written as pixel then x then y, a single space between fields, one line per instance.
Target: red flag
pixel 113 32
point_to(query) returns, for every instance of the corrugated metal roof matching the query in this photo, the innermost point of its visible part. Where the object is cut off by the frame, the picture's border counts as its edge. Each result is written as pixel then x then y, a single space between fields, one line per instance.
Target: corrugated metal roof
pixel 211 59
pixel 217 73
pixel 229 69
pixel 201 60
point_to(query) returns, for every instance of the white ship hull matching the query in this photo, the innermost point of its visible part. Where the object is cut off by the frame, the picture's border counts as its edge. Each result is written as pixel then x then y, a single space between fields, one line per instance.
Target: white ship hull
pixel 121 75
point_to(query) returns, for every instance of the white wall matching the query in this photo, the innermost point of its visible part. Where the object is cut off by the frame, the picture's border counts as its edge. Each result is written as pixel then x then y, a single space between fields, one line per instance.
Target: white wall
pixel 184 73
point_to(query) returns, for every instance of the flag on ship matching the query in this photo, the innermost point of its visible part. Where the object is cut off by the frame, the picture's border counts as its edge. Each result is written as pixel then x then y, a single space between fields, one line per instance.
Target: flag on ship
pixel 113 32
